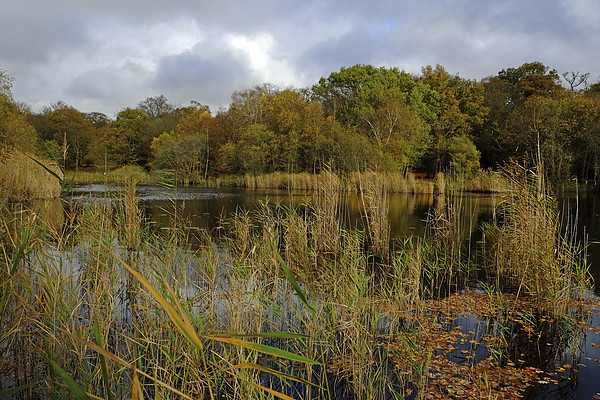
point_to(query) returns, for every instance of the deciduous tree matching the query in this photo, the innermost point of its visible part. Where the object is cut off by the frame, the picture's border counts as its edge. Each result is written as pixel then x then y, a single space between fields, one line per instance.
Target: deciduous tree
pixel 68 128
pixel 129 138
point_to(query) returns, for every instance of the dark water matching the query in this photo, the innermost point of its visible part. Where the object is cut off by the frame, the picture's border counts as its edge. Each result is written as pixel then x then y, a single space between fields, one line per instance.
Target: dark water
pixel 207 208
pixel 584 208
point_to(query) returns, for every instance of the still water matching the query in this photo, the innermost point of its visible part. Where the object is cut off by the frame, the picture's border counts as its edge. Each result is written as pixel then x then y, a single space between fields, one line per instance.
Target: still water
pixel 208 208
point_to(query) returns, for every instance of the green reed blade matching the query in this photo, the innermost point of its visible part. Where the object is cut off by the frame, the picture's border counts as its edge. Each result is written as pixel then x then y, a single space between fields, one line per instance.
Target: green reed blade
pixel 77 391
pixel 103 364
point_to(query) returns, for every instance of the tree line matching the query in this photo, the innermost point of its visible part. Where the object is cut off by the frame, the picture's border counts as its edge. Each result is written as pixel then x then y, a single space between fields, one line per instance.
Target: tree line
pixel 360 117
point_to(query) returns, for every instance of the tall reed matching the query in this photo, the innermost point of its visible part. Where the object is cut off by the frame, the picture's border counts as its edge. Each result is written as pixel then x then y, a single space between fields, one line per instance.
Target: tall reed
pixel 21 177
pixel 374 196
pixel 326 228
pixel 527 249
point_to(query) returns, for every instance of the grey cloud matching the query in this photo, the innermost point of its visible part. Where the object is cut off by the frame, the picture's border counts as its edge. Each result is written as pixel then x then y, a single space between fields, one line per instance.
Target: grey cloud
pixel 356 47
pixel 35 38
pixel 59 49
pixel 209 80
pixel 111 87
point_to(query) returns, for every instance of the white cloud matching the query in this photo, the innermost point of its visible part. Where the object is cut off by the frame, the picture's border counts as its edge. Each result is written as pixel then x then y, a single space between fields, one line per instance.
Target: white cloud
pixel 260 51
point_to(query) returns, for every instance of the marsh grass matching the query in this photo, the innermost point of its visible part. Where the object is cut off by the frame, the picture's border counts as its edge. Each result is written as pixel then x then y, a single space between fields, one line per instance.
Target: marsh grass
pixel 528 250
pixel 124 174
pixel 281 303
pixel 483 181
pixel 23 178
pixel 395 181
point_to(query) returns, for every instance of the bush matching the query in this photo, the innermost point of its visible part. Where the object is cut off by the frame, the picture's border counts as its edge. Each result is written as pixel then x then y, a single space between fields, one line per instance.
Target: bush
pixel 463 155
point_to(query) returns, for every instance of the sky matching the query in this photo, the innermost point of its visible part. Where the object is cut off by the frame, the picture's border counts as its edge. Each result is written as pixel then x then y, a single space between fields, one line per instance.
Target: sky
pixel 103 56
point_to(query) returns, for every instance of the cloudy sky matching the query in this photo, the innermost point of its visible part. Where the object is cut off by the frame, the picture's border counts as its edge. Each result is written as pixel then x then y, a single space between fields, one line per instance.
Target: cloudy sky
pixel 110 54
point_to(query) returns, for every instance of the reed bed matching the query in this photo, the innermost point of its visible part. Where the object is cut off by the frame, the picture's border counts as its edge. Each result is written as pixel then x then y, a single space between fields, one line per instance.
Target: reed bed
pixel 124 175
pixel 281 304
pixel 395 182
pixel 528 250
pixel 24 178
pixel 483 181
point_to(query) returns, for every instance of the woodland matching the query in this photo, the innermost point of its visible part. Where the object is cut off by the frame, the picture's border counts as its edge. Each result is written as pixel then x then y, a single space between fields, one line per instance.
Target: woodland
pixel 358 118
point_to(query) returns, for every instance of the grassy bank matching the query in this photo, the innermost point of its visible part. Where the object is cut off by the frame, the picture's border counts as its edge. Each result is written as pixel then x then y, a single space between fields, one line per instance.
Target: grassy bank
pixel 121 175
pixel 281 303
pixel 484 181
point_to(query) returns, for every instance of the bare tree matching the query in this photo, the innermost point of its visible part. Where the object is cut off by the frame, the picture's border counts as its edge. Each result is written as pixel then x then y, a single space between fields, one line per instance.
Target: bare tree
pixel 576 79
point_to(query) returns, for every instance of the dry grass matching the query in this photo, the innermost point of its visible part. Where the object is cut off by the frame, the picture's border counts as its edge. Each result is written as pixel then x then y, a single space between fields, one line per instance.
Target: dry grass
pixel 374 196
pixel 527 249
pixel 124 174
pixel 481 182
pixel 395 182
pixel 23 178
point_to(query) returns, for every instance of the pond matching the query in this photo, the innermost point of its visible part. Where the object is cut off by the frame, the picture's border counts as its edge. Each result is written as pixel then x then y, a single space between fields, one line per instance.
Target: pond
pixel 207 208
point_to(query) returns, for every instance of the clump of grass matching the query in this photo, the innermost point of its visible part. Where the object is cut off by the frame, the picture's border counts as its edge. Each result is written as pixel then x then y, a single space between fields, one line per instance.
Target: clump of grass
pixel 326 228
pixel 483 181
pixel 527 250
pixel 375 201
pixel 280 180
pixel 440 183
pixel 21 177
pixel 395 182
